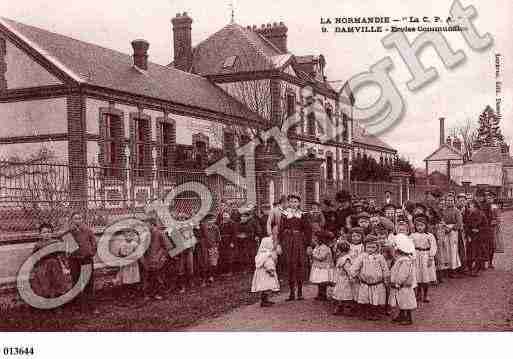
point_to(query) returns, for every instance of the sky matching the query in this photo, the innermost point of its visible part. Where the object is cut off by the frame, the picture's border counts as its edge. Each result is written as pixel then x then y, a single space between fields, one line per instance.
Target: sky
pixel 458 94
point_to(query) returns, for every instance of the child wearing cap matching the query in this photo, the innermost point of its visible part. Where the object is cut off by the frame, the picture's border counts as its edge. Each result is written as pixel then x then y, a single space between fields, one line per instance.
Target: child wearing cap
pixel 402 224
pixel 425 248
pixel 322 264
pixel 402 280
pixel 355 249
pixel 317 220
pixel 265 278
pixel 389 212
pixel 356 242
pixel 343 291
pixel 363 220
pixel 372 272
pixel 210 238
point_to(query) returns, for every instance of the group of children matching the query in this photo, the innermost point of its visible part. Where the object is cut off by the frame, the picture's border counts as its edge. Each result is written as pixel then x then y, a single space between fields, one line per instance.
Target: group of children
pixel 364 258
pixel 222 244
pixel 382 259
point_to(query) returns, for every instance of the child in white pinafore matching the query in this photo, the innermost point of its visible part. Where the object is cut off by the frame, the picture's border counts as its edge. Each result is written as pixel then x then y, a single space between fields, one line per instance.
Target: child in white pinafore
pixel 356 242
pixel 425 248
pixel 371 269
pixel 322 264
pixel 265 279
pixel 125 243
pixel 402 280
pixel 343 291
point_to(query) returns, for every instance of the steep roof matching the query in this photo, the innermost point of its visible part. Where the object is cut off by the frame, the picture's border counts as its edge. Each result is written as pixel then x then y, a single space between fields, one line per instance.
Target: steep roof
pixel 490 154
pixel 360 135
pixel 253 51
pixel 95 65
pixel 445 152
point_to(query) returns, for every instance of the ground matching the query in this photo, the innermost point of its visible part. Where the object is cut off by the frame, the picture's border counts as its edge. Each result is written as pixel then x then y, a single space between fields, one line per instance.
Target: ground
pixel 466 304
pixel 484 303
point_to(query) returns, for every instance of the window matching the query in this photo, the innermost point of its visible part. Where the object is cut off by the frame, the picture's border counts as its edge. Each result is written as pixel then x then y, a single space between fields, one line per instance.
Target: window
pixel 329 125
pixel 345 169
pixel 329 167
pixel 291 110
pixel 112 144
pixel 141 153
pixel 167 142
pixel 291 104
pixel 345 130
pixel 229 62
pixel 310 124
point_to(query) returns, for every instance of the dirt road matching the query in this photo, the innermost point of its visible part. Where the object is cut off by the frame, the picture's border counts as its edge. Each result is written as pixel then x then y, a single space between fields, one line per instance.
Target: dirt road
pixel 464 304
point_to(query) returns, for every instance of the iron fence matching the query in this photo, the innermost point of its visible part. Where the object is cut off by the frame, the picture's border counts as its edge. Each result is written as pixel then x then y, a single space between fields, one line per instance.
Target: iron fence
pixel 33 192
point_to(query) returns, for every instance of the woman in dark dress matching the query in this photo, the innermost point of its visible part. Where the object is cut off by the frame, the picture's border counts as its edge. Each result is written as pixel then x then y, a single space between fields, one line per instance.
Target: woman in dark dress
pixel 473 223
pixel 295 236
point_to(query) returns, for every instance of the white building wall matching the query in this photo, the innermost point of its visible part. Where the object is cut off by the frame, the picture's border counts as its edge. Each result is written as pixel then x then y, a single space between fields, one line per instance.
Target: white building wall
pixel 32 118
pixel 25 150
pixel 23 72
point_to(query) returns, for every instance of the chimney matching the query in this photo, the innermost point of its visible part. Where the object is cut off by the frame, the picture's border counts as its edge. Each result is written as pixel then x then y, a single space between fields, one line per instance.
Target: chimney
pixel 182 41
pixel 442 131
pixel 275 33
pixel 140 56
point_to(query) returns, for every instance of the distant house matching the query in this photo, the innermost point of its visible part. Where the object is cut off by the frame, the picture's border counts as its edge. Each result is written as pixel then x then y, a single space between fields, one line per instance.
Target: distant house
pixel 435 178
pixel 490 166
pixel 447 156
pixel 366 144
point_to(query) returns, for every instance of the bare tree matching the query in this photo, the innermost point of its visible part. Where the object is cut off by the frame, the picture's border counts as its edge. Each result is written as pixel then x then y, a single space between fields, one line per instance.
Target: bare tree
pixel 467 132
pixel 256 95
pixel 35 184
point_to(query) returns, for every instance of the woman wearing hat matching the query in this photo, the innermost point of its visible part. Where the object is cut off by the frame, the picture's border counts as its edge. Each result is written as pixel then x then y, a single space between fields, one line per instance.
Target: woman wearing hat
pixel 453 223
pixel 344 210
pixel 295 237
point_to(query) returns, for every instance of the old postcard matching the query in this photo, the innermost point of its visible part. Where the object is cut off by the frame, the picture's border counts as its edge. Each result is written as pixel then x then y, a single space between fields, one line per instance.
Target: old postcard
pixel 242 166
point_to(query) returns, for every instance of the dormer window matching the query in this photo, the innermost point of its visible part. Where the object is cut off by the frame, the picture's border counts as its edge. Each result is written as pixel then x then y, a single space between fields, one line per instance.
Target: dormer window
pixel 229 62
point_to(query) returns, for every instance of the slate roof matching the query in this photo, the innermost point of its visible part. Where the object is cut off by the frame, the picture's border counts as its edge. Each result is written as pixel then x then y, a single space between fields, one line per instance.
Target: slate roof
pixel 361 136
pixel 447 146
pixel 95 65
pixel 489 154
pixel 254 52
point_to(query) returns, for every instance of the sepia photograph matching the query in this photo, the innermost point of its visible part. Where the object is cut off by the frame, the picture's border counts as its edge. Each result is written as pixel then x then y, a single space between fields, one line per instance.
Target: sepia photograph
pixel 231 166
